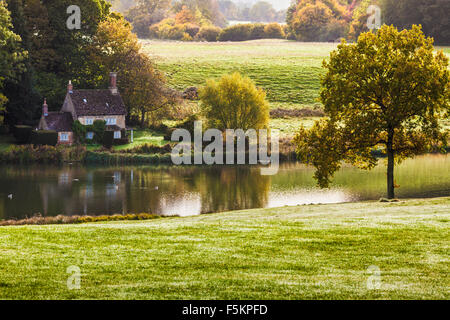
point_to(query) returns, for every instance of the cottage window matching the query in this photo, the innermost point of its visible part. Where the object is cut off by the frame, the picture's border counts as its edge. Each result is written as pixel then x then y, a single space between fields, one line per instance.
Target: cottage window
pixel 89 135
pixel 64 137
pixel 89 121
pixel 111 121
pixel 117 135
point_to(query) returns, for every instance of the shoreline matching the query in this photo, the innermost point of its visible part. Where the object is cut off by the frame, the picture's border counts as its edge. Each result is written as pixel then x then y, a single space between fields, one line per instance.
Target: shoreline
pixel 87 157
pixel 39 220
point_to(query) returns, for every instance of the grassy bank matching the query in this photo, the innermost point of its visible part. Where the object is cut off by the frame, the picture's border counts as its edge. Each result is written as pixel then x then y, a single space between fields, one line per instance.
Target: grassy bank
pixel 305 252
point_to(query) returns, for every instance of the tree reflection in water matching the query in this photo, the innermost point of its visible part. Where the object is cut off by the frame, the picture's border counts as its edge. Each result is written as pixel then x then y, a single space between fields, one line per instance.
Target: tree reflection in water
pixel 171 190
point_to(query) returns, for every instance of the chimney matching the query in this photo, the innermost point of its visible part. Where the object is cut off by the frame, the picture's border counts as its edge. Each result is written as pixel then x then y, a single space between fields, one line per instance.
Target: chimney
pixel 113 82
pixel 45 108
pixel 70 87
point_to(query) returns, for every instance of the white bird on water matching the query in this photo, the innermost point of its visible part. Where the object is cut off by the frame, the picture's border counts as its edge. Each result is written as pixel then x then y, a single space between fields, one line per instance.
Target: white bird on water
pixel 10 196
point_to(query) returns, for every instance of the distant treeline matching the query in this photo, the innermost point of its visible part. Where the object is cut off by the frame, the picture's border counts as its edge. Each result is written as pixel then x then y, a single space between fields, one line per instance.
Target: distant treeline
pixel 307 20
pixel 325 20
pixel 183 19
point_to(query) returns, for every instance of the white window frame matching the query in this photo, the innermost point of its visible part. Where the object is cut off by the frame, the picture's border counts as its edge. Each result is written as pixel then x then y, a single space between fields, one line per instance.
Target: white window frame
pixel 117 134
pixel 89 135
pixel 111 121
pixel 89 121
pixel 63 136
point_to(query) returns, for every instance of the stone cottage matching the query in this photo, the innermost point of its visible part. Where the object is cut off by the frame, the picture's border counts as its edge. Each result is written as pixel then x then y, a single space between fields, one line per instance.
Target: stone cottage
pixel 86 106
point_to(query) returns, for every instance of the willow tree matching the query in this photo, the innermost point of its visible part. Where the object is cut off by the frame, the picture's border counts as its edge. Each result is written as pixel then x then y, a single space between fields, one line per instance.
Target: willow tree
pixel 388 92
pixel 234 102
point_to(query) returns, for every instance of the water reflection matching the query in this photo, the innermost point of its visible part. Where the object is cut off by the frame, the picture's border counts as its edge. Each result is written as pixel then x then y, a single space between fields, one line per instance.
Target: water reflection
pixel 192 190
pixel 308 196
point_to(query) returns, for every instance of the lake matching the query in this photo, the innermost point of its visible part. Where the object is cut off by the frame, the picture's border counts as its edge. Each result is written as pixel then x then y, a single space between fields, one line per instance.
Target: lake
pixel 170 190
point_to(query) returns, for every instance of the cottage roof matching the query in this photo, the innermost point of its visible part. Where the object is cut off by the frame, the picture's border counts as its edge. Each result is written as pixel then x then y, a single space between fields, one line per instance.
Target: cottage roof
pixel 97 103
pixel 58 121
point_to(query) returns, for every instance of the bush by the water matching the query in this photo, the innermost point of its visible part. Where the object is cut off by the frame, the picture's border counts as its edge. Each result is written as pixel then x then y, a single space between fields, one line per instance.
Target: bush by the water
pixel 44 137
pixel 234 102
pixel 149 148
pixel 22 133
pixel 125 158
pixel 42 154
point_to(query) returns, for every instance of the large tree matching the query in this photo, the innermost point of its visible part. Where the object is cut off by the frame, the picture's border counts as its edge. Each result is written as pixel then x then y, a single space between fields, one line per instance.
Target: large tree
pixel 317 20
pixel 115 48
pixel 24 100
pixel 55 52
pixel 11 53
pixel 386 91
pixel 431 14
pixel 146 13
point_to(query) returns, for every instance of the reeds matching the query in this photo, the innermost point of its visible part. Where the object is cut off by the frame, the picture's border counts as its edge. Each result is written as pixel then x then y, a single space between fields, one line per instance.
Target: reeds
pixel 60 219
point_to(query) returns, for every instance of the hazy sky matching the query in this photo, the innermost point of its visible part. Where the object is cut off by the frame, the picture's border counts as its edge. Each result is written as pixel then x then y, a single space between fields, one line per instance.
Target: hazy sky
pixel 277 4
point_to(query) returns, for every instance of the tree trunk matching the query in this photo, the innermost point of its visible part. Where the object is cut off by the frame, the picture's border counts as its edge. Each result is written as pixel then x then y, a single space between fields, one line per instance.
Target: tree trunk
pixel 142 118
pixel 390 168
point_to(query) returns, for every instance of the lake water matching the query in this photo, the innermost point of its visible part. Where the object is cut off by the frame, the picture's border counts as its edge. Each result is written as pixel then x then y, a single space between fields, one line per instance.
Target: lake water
pixel 170 190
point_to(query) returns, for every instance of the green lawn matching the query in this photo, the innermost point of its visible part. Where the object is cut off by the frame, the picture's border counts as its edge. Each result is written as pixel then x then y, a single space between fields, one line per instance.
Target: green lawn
pixel 305 252
pixel 140 137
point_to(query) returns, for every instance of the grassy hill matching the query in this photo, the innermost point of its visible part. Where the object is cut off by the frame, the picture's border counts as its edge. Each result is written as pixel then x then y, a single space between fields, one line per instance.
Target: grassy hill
pixel 289 71
pixel 304 252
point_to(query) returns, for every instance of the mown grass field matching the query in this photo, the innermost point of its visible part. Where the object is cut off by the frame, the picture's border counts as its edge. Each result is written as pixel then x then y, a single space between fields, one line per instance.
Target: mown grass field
pixel 305 252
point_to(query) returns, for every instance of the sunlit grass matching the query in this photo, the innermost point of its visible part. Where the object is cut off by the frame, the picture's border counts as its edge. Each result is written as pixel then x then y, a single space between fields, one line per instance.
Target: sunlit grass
pixel 288 71
pixel 289 127
pixel 305 252
pixel 141 137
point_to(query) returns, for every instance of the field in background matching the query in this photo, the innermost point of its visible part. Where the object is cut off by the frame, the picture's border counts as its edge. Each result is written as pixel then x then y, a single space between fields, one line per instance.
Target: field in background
pixel 288 71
